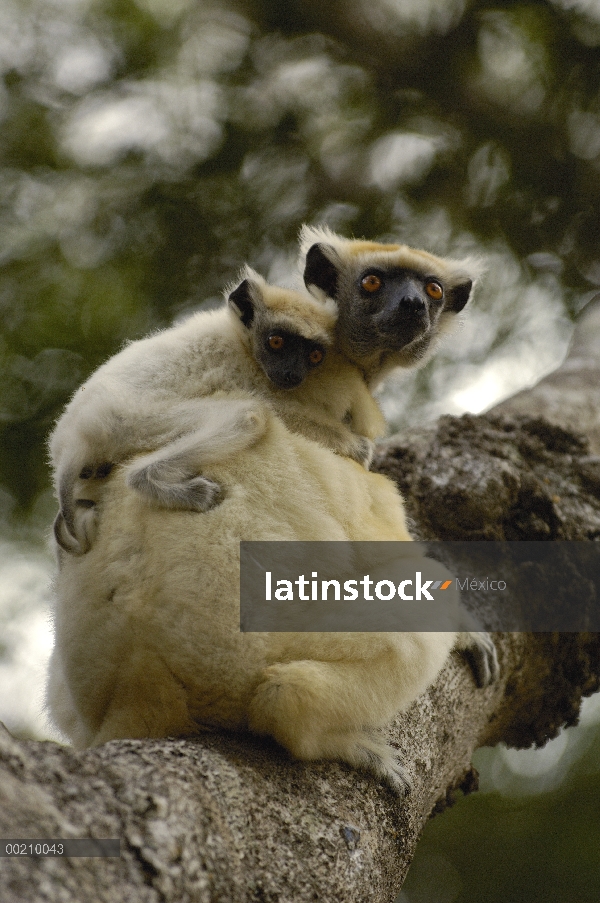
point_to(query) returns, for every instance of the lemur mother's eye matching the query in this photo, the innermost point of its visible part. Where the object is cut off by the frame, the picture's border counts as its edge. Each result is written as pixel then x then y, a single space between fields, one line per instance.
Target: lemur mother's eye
pixel 276 342
pixel 434 290
pixel 371 282
pixel 316 356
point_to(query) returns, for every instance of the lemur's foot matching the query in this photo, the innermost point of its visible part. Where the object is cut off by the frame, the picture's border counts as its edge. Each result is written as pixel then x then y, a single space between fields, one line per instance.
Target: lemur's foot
pixel 483 658
pixel 374 754
pixel 363 451
pixel 75 524
pixel 81 539
pixel 195 494
pixel 96 471
pixel 289 705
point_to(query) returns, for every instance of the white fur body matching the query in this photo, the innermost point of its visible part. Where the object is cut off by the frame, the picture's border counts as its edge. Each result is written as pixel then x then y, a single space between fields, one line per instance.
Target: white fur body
pixel 147 622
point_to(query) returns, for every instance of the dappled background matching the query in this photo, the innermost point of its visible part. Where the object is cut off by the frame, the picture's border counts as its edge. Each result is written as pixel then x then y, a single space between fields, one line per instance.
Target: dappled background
pixel 149 148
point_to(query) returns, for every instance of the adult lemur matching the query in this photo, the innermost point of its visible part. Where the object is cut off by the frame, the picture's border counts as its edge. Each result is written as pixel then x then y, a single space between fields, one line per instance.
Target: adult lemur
pixel 393 301
pixel 147 622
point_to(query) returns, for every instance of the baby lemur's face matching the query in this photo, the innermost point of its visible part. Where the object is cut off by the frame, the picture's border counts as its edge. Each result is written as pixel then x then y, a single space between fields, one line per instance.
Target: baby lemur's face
pixel 392 300
pixel 288 332
pixel 286 357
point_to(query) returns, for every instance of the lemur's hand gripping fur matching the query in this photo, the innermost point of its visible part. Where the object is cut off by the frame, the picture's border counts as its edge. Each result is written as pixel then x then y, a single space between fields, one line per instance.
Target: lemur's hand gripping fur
pixel 480 651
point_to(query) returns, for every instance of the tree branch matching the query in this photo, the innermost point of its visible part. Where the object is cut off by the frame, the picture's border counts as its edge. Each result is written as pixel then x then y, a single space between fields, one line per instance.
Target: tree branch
pixel 232 818
pixel 569 396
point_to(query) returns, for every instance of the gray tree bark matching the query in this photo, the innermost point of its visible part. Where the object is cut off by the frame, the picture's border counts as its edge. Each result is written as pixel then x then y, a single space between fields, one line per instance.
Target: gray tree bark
pixel 232 818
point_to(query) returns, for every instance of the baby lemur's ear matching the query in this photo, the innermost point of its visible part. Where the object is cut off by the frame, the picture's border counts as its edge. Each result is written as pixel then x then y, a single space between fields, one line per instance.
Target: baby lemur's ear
pixel 242 303
pixel 320 270
pixel 247 297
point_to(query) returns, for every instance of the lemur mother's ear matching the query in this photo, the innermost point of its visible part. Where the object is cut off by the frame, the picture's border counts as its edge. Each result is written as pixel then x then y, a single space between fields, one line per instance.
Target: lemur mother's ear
pixel 320 271
pixel 241 302
pixel 458 297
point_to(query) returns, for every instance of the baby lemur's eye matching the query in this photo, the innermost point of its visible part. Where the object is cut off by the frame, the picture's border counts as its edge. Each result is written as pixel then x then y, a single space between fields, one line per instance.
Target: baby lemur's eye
pixel 371 282
pixel 276 342
pixel 434 290
pixel 316 356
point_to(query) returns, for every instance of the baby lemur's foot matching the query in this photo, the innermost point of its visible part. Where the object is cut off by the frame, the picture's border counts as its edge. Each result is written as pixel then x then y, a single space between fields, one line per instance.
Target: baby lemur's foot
pixel 80 540
pixel 193 494
pixel 75 524
pixel 96 471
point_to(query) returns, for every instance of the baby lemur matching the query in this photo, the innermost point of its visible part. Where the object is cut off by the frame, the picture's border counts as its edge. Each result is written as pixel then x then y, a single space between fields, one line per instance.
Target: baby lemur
pixel 191 394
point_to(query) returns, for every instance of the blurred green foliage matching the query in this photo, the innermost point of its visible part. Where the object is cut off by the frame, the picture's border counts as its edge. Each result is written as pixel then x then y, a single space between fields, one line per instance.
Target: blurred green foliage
pixel 517 849
pixel 531 835
pixel 149 148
